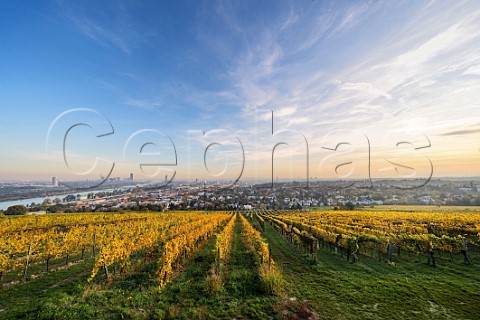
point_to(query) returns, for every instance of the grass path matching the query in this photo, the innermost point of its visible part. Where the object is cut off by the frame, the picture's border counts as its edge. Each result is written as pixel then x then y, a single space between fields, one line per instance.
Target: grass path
pixel 243 279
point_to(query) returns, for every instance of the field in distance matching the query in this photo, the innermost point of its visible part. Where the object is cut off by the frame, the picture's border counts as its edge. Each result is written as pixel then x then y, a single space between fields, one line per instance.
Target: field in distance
pixel 394 262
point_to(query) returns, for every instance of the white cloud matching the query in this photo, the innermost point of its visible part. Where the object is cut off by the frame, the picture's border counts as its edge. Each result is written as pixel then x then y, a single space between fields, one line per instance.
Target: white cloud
pixel 352 16
pixel 366 88
pixel 473 70
pixel 144 104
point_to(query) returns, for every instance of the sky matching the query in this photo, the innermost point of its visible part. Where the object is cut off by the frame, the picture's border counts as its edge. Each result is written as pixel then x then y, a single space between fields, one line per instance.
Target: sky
pixel 225 90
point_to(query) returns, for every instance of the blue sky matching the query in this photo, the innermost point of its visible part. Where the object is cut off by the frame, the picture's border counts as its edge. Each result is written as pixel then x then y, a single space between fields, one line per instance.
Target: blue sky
pixel 332 71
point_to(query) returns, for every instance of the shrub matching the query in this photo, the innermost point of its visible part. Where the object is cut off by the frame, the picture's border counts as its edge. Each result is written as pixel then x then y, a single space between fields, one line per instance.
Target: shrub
pixel 271 277
pixel 213 283
pixel 15 210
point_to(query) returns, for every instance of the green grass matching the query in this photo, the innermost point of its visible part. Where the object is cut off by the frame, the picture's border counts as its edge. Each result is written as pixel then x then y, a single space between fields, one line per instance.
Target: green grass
pixel 16 302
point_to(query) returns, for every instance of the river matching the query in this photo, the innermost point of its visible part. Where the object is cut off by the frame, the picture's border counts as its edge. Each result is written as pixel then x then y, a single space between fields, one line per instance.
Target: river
pixel 5 204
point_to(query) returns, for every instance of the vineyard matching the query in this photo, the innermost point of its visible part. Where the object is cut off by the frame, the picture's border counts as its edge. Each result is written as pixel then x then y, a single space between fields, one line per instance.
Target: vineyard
pixel 262 264
pixel 112 239
pixel 381 234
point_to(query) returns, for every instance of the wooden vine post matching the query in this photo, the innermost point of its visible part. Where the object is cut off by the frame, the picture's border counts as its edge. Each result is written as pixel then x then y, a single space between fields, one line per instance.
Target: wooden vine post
pixel 25 275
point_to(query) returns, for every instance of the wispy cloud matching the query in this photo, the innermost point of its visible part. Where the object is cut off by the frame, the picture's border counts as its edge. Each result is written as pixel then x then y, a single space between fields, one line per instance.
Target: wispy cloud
pixel 144 104
pixel 461 132
pixel 352 16
pixel 100 34
pixel 115 30
pixel 403 80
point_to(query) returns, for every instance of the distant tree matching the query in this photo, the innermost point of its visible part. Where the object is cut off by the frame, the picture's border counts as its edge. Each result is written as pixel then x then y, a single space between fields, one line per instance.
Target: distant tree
pixel 349 206
pixel 47 201
pixel 17 209
pixel 69 198
pixel 57 200
pixel 56 208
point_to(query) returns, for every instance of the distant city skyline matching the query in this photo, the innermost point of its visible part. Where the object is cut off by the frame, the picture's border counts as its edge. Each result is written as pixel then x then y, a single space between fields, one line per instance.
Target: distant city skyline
pixel 371 90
